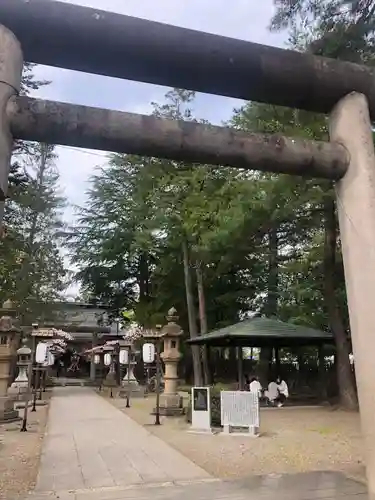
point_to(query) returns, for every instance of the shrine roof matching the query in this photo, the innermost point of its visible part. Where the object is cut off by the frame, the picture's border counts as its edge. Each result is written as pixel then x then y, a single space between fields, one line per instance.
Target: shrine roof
pixel 263 332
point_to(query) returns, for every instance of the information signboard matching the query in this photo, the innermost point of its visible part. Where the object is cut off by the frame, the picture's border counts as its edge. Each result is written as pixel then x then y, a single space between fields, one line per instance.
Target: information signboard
pixel 240 409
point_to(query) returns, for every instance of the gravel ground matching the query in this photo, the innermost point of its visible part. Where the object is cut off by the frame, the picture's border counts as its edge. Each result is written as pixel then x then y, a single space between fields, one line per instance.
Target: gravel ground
pixel 19 454
pixel 292 440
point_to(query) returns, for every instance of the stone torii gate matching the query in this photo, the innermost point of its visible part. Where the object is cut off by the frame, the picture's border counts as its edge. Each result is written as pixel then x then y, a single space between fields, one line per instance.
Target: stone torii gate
pixel 83 39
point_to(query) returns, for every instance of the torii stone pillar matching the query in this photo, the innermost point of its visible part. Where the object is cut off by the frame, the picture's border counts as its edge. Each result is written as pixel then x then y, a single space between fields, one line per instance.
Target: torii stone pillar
pixel 11 63
pixel 170 400
pixel 350 126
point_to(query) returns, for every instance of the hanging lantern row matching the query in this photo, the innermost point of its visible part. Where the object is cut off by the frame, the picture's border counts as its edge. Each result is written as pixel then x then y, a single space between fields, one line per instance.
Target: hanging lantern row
pixel 148 353
pixel 123 358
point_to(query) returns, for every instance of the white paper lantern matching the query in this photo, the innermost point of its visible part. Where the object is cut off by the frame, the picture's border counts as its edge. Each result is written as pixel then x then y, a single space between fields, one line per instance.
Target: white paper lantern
pixel 96 359
pixel 124 357
pixel 107 359
pixel 41 353
pixel 148 353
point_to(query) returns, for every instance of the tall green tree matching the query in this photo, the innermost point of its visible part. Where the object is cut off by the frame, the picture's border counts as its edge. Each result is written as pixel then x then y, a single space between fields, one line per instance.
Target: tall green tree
pixel 149 221
pixel 31 267
pixel 33 218
pixel 342 29
pixel 305 278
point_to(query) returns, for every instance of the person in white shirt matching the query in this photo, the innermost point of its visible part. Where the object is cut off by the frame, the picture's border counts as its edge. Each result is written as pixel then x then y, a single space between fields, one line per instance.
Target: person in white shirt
pixel 272 393
pixel 283 391
pixel 255 386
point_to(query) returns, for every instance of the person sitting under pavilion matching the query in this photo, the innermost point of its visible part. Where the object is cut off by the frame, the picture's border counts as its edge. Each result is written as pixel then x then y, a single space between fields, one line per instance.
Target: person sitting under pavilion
pixel 277 392
pixel 283 390
pixel 255 386
pixel 271 393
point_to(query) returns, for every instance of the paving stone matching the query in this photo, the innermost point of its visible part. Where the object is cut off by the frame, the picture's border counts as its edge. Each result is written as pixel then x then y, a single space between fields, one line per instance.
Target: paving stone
pixel 93 451
pixel 89 443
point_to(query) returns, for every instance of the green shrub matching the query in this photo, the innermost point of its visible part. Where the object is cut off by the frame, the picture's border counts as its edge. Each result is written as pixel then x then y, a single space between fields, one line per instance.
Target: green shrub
pixel 184 388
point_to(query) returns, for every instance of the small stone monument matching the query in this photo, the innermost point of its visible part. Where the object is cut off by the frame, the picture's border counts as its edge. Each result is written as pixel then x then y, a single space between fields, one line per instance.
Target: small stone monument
pixel 170 400
pixel 7 333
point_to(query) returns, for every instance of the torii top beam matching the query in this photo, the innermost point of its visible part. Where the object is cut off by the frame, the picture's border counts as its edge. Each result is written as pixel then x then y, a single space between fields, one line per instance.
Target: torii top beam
pixel 103 43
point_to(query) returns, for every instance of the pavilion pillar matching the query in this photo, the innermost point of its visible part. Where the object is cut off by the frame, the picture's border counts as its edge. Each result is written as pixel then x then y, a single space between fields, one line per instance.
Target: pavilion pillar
pixel 277 360
pixel 322 372
pixel 241 381
pixel 350 125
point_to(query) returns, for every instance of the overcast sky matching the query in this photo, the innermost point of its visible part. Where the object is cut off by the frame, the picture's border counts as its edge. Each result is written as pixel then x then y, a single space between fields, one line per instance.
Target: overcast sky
pixel 244 19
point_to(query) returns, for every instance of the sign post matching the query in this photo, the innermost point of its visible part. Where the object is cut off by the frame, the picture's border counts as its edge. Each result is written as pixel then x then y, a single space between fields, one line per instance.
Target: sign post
pixel 240 409
pixel 200 410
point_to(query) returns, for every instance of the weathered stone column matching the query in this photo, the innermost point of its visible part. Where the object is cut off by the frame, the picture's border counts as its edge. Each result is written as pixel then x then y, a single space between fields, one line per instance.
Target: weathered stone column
pixel 11 63
pixel 7 332
pixel 350 125
pixel 170 401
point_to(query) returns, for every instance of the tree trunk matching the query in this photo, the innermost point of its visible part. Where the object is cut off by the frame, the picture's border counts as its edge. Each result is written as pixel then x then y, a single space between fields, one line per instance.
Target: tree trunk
pixel 347 392
pixel 265 358
pixel 198 380
pixel 273 273
pixel 143 278
pixel 203 322
pixel 264 365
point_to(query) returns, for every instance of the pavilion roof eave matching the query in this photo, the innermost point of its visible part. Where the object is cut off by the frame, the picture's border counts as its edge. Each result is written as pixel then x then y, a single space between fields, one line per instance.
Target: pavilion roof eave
pixel 263 332
pixel 258 341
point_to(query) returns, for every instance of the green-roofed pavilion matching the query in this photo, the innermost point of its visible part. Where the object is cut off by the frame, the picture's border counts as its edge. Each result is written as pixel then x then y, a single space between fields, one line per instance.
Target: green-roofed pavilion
pixel 264 332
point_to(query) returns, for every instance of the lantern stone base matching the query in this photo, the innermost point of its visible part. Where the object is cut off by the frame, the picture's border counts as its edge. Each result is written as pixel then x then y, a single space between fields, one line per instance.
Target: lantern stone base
pixel 171 405
pixel 7 412
pixel 110 380
pixel 20 405
pixel 17 393
pixel 135 390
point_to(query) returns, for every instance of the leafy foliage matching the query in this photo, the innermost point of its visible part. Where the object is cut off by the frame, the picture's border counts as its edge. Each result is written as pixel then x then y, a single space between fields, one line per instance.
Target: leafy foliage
pixel 31 265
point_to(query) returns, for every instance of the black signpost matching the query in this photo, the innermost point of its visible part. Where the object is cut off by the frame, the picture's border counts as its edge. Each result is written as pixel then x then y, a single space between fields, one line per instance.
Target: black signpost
pixel 200 399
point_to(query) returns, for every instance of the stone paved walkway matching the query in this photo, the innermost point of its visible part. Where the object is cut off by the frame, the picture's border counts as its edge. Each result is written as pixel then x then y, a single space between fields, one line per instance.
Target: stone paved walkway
pixel 92 451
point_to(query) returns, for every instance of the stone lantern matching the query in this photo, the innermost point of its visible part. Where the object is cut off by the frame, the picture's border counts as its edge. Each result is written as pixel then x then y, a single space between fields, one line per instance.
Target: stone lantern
pixel 170 400
pixel 8 332
pixel 129 383
pixel 110 379
pixel 21 384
